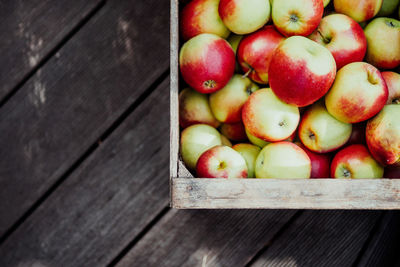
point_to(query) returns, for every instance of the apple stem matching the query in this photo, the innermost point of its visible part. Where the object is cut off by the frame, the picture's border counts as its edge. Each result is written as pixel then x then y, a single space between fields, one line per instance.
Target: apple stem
pixel 326 40
pixel 247 73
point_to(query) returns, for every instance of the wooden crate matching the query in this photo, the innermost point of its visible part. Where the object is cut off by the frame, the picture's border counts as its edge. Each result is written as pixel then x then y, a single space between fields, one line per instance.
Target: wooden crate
pixel 187 192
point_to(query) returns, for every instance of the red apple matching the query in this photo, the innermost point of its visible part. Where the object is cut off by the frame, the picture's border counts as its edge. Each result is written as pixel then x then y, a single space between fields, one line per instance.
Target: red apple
pixel 321 132
pixel 343 37
pixel 234 131
pixel 194 109
pixel 207 62
pixel 355 161
pixel 201 16
pixel 268 118
pixel 301 71
pixel 297 17
pixel 255 51
pixel 244 16
pixel 358 93
pixel 383 135
pixel 383 49
pixel 392 80
pixel 320 163
pixel 221 162
pixel 357 134
pixel 359 10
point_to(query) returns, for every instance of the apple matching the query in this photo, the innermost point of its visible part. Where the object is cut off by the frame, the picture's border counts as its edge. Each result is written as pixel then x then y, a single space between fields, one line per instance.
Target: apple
pixel 195 140
pixel 234 131
pixel 392 80
pixel 207 62
pixel 249 153
pixel 326 2
pixel 357 134
pixel 226 104
pixel 383 135
pixel 388 7
pixel 234 41
pixel 301 71
pixel 343 37
pixel 225 141
pixel 194 109
pixel 321 132
pixel 256 141
pixel 255 51
pixel 320 163
pixel 359 10
pixel 221 162
pixel 392 172
pixel 266 117
pixel 201 16
pixel 283 160
pixel 358 93
pixel 383 49
pixel 244 16
pixel 297 17
pixel 355 161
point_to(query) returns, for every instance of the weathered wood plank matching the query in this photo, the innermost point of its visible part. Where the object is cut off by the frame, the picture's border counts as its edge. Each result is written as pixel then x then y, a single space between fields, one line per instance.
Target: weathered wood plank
pixel 321 238
pixel 95 213
pixel 63 110
pixel 288 193
pixel 383 250
pixel 209 237
pixel 30 30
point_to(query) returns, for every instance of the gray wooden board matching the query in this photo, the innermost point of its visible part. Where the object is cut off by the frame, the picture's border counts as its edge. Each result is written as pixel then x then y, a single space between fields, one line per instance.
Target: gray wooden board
pixel 31 29
pixel 63 109
pixel 108 200
pixel 321 238
pixel 213 237
pixel 384 247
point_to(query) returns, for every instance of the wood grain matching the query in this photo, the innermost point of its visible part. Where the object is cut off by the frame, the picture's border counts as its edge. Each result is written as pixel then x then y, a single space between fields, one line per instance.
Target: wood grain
pixel 30 30
pixel 280 193
pixel 65 108
pixel 384 247
pixel 321 238
pixel 106 202
pixel 209 237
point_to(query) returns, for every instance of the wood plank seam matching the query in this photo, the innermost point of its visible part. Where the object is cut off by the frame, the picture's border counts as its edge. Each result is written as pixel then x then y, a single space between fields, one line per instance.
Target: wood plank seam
pixel 53 52
pixel 274 238
pixel 139 236
pixel 367 243
pixel 85 155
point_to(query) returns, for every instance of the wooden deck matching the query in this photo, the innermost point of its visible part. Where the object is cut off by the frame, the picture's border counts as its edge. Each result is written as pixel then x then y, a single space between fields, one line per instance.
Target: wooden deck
pixel 84 114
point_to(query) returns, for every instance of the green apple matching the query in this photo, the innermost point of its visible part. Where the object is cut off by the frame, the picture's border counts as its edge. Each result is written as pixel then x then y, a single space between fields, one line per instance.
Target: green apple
pixel 326 2
pixel 320 132
pixel 256 141
pixel 244 16
pixel 383 45
pixel 283 160
pixel 266 117
pixel 195 140
pixel 194 108
pixel 225 141
pixel 355 161
pixel 226 104
pixel 249 153
pixel 234 41
pixel 388 8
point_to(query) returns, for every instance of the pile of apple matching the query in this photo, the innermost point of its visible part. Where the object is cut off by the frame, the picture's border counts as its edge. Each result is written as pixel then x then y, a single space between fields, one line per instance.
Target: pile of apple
pixel 302 103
